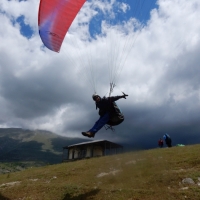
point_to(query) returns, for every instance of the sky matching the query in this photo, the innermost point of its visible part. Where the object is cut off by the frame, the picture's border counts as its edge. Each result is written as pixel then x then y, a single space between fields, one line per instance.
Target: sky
pixel 149 49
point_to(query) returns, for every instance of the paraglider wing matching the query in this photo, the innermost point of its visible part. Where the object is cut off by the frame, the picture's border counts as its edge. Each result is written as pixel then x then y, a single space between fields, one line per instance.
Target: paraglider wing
pixel 54 20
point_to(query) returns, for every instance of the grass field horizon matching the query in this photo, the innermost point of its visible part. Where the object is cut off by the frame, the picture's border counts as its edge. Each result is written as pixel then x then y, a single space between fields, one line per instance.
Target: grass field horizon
pixel 156 174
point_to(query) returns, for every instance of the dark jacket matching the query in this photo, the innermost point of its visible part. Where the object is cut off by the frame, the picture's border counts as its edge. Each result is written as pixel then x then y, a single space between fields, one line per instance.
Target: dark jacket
pixel 105 105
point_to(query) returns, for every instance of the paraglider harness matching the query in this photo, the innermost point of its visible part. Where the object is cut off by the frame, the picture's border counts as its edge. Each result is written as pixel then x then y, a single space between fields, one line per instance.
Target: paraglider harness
pixel 116 117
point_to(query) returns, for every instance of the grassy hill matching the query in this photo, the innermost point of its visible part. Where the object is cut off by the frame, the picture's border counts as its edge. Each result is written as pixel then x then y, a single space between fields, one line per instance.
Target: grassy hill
pixel 21 148
pixel 158 174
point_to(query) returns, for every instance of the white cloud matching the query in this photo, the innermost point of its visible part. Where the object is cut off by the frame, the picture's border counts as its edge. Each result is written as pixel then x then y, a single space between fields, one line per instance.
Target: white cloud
pixel 14 9
pixel 124 7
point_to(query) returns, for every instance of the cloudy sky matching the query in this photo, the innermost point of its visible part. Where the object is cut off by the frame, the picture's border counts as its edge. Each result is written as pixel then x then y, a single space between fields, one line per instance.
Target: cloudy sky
pixel 150 50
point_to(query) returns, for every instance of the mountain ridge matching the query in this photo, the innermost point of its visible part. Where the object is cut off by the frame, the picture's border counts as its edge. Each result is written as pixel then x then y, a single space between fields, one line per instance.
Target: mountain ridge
pixel 23 145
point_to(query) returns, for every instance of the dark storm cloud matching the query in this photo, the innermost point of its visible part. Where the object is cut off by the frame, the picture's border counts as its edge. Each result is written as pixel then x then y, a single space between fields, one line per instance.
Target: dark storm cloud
pixel 38 92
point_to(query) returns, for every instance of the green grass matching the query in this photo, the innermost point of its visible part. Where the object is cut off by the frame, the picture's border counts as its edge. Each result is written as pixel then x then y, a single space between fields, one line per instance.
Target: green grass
pixel 144 175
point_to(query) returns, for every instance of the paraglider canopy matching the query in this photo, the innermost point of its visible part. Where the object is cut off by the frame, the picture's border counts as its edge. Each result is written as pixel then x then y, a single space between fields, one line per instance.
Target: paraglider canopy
pixel 54 19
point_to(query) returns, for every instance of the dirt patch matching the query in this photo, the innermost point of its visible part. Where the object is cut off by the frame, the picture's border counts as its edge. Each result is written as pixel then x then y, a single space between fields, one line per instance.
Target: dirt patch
pixel 9 184
pixel 109 173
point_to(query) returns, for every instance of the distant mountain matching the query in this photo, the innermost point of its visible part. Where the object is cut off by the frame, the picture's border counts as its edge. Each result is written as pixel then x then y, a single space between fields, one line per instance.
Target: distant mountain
pixel 19 145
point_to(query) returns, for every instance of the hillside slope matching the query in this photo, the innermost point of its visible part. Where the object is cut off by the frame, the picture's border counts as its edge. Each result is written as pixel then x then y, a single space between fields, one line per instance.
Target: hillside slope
pixel 158 174
pixel 19 145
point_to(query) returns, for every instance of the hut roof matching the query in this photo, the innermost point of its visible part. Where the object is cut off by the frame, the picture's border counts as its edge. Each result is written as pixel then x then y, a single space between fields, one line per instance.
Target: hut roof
pixel 107 144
